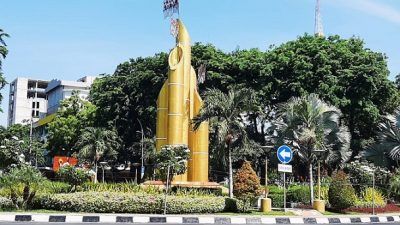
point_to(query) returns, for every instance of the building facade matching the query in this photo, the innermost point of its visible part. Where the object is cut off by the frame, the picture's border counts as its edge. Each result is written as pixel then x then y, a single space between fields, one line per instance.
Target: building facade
pixel 27 100
pixel 35 100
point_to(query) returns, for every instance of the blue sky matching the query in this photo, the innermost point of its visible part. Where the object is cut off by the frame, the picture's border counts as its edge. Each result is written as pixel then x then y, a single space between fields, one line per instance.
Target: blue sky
pixel 68 39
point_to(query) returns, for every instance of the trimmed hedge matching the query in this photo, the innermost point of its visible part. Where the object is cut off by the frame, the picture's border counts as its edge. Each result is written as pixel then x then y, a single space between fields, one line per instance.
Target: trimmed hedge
pixel 113 202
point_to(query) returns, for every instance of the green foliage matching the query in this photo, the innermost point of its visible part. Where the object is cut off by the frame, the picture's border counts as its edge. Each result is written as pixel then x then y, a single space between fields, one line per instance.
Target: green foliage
pixel 54 187
pixel 3 54
pixel 126 187
pixel 74 115
pixel 114 202
pixel 394 185
pixel 16 147
pixel 174 157
pixel 6 204
pixel 246 185
pixel 22 184
pixel 299 194
pixel 370 197
pixel 341 193
pixel 361 174
pixel 73 176
pixel 385 151
pixel 342 72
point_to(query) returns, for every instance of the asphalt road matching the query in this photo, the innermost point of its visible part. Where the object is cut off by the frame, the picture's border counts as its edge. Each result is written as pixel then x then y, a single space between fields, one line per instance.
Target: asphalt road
pixel 30 223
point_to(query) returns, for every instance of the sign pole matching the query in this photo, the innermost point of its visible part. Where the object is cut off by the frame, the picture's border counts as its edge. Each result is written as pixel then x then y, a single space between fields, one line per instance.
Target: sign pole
pixel 284 191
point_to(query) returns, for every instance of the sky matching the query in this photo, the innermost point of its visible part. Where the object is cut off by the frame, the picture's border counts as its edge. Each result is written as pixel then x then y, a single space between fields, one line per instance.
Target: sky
pixel 69 39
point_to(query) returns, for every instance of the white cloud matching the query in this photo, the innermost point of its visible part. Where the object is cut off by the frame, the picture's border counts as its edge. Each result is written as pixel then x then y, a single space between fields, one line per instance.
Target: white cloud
pixel 373 7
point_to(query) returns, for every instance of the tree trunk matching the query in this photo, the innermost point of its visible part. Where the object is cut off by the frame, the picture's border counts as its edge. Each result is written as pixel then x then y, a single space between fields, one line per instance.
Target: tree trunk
pixel 230 172
pixel 311 184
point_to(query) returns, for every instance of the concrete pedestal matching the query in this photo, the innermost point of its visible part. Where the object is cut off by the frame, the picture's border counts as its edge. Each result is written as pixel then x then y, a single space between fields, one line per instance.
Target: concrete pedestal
pixel 266 205
pixel 319 205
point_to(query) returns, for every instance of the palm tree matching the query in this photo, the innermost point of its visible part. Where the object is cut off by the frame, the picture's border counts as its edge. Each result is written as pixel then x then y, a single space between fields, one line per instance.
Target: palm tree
pixel 313 129
pixel 225 111
pixel 387 147
pixel 97 143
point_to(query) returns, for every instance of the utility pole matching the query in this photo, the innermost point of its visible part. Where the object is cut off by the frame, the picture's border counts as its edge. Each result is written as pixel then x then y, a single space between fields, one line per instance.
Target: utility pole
pixel 142 149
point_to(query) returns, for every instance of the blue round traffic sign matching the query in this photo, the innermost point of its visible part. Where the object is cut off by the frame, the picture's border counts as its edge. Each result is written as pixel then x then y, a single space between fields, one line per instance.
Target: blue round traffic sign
pixel 285 154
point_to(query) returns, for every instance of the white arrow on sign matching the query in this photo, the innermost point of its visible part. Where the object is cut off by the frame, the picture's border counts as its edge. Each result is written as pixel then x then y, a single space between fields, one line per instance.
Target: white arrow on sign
pixel 284 154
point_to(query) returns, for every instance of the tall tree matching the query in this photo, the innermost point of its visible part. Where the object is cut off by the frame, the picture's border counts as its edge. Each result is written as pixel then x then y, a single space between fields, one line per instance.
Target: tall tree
pixel 342 72
pixel 3 54
pixel 226 112
pixel 310 125
pixel 73 116
pixel 96 144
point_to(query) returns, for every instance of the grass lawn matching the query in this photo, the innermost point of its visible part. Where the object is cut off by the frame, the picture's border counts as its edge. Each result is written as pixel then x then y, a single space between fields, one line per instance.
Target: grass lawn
pixel 329 213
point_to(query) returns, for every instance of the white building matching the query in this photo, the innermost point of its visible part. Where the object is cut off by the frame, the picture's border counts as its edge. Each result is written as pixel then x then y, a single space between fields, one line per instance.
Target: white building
pixel 27 100
pixel 58 90
pixel 37 99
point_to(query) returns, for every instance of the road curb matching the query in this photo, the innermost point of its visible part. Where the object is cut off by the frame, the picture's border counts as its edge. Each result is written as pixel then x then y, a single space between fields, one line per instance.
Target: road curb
pixel 193 219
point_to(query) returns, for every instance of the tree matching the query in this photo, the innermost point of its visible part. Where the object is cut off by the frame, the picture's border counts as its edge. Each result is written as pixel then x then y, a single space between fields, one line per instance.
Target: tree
pixel 17 147
pixel 310 125
pixel 247 184
pixel 343 72
pixel 386 150
pixel 225 112
pixel 3 54
pixel 172 158
pixel 74 115
pixel 96 143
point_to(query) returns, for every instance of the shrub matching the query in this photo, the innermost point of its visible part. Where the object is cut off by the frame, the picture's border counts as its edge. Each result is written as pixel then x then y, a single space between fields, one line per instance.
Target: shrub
pixel 276 196
pixel 341 193
pixel 246 185
pixel 299 194
pixel 113 202
pixel 234 205
pixel 370 197
pixel 6 204
pixel 394 185
pixel 55 187
pixel 73 176
pixel 22 183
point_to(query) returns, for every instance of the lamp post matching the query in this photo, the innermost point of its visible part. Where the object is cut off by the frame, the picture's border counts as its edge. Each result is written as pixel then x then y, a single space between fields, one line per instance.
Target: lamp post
pixel 103 164
pixel 319 204
pixel 266 203
pixel 142 148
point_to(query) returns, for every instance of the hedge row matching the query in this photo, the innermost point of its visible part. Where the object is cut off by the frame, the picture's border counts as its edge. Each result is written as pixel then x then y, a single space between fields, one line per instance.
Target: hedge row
pixel 114 202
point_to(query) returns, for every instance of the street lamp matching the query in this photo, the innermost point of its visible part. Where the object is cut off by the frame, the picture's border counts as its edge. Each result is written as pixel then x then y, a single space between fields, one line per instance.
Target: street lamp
pixel 319 204
pixel 142 147
pixel 266 204
pixel 103 165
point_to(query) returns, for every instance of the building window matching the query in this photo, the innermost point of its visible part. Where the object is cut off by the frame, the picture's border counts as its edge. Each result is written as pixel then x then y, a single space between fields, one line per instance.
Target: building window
pixel 37 105
pixel 33 113
pixel 37 113
pixel 33 105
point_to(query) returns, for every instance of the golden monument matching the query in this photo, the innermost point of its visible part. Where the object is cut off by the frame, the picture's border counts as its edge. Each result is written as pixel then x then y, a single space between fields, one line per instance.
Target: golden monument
pixel 177 104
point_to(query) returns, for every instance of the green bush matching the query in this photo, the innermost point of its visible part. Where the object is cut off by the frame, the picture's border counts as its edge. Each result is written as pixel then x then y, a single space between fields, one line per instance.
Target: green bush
pixel 6 204
pixel 114 202
pixel 22 183
pixel 371 197
pixel 299 194
pixel 73 176
pixel 341 193
pixel 54 187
